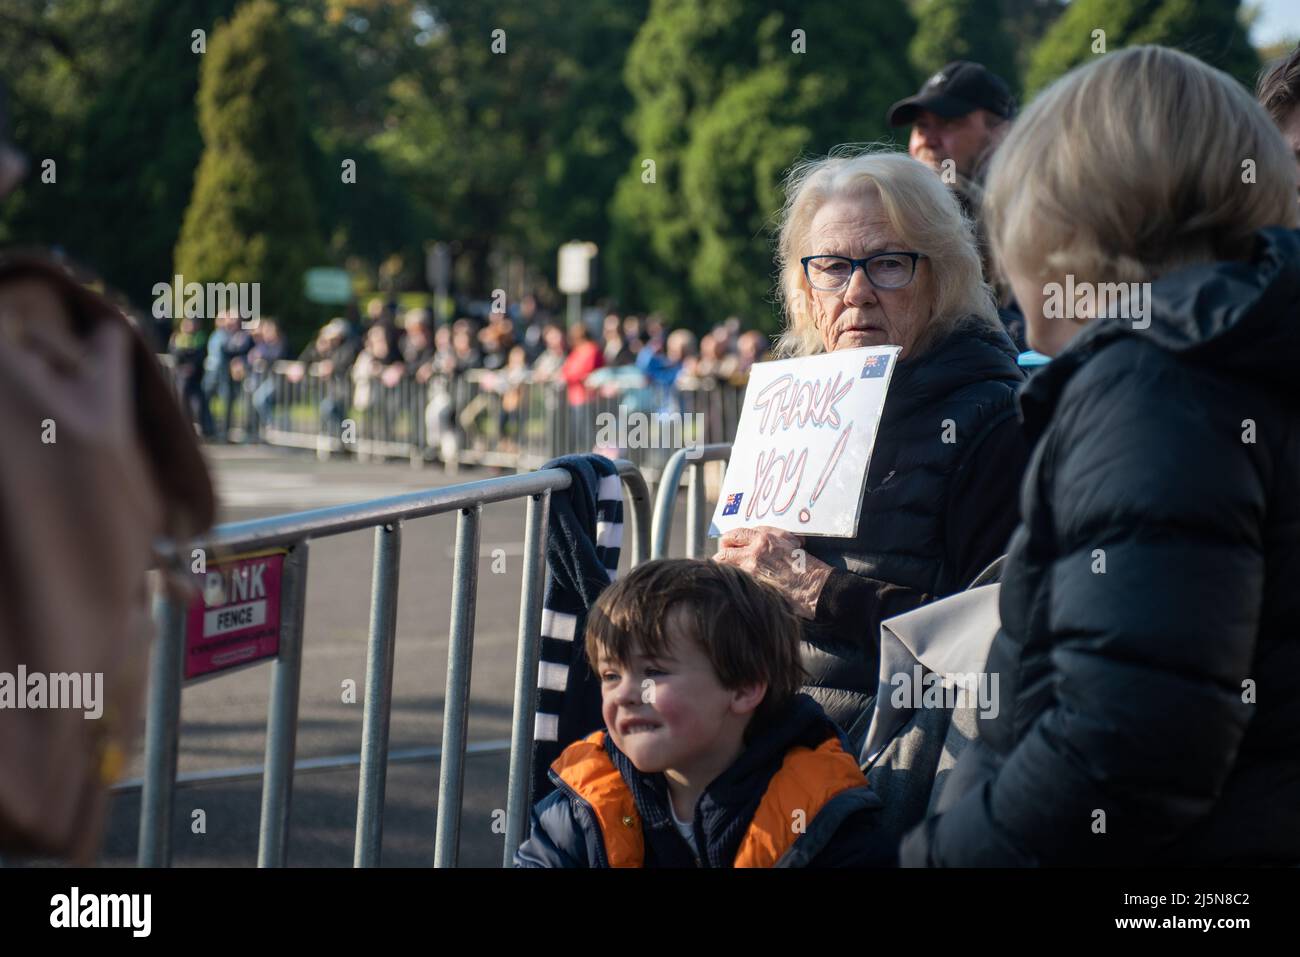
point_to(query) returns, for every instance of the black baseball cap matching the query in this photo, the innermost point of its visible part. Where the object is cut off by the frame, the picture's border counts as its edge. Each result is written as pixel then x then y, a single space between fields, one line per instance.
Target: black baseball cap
pixel 961 86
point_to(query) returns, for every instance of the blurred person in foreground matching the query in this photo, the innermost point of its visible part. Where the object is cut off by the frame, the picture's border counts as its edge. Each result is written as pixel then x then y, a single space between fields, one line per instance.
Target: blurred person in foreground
pixel 874 250
pixel 99 466
pixel 1149 651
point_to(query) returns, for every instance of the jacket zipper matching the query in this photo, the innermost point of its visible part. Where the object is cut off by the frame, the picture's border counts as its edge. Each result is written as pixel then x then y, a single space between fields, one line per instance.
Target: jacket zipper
pixel 602 859
pixel 699 834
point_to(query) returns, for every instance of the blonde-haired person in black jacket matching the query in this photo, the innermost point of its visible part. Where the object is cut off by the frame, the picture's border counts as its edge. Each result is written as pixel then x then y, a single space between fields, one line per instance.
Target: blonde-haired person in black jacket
pixel 1149 657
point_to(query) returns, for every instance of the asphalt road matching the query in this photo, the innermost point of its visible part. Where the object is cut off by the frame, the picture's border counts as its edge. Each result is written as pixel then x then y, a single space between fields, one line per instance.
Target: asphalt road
pixel 224 718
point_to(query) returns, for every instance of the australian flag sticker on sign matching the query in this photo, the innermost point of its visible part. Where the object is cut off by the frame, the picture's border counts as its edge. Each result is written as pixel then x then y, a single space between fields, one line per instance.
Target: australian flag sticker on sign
pixel 733 504
pixel 875 367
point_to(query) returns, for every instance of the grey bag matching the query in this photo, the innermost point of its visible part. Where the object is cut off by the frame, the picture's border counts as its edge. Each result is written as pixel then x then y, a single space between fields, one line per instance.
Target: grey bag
pixel 932 687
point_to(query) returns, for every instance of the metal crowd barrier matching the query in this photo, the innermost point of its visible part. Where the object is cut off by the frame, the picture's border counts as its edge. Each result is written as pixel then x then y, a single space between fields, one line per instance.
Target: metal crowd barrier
pixel 386 516
pixel 480 417
pixel 697 516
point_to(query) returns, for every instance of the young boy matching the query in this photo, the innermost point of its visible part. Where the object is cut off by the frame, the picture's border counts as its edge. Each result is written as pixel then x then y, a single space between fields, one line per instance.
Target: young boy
pixel 711 757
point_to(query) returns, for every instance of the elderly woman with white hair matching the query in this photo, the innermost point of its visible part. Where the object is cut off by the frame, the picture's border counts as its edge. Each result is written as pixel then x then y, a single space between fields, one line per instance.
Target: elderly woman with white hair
pixel 874 250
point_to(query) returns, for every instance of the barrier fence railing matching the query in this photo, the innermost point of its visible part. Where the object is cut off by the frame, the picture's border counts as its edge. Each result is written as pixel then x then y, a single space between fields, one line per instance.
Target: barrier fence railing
pixel 500 418
pixel 692 461
pixel 386 516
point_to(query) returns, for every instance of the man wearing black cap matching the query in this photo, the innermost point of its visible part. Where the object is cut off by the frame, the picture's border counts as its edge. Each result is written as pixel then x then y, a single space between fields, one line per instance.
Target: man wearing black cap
pixel 958 117
pixel 960 114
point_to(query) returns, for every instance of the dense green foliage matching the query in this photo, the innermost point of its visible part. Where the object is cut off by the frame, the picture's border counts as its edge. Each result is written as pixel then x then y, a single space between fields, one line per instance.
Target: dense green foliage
pixel 1208 29
pixel 497 126
pixel 123 142
pixel 143 141
pixel 727 97
pixel 252 217
pixel 509 134
pixel 962 30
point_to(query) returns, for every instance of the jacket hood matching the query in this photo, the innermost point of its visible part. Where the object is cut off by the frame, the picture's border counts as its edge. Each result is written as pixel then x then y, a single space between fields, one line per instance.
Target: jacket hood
pixel 728 804
pixel 803 723
pixel 1239 317
pixel 973 352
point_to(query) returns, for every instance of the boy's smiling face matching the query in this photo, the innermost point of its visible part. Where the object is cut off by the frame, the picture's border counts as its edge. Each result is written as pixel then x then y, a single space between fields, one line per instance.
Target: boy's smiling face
pixel 670 713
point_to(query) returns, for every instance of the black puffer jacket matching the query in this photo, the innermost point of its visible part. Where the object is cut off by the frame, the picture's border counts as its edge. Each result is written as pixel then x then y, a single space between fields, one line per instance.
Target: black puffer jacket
pixel 940 503
pixel 1149 660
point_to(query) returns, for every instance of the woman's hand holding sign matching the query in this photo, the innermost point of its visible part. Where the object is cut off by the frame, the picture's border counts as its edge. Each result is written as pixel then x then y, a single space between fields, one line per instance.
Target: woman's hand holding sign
pixel 776 558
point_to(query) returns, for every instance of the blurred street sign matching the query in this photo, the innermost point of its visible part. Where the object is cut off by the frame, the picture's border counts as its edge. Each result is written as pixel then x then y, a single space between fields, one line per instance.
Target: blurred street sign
pixel 327 286
pixel 575 267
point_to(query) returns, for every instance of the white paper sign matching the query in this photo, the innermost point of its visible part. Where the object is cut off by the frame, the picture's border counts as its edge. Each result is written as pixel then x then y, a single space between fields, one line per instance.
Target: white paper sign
pixel 802 448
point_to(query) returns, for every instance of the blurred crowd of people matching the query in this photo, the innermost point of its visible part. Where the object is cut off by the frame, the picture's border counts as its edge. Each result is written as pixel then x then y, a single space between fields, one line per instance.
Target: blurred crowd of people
pixel 367 365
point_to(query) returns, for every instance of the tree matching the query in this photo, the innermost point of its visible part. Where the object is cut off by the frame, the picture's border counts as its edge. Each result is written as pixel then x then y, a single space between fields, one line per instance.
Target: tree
pixel 1208 29
pixel 252 216
pixel 1026 21
pixel 975 30
pixel 731 178
pixel 507 133
pixel 57 55
pixel 728 97
pixel 584 144
pixel 653 242
pixel 350 53
pixel 144 140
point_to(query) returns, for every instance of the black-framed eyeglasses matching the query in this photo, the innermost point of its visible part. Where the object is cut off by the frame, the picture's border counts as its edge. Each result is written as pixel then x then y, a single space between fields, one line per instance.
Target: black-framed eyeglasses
pixel 887 270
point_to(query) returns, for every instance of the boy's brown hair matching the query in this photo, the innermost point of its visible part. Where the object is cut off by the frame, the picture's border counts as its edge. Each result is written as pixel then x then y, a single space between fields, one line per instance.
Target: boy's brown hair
pixel 1278 90
pixel 745 628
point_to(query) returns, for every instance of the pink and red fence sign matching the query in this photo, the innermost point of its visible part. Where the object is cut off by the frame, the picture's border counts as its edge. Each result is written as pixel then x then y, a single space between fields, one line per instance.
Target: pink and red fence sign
pixel 235 620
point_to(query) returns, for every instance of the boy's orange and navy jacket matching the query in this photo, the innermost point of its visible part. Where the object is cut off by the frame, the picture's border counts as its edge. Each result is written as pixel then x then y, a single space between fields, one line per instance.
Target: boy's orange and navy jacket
pixel 794 798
